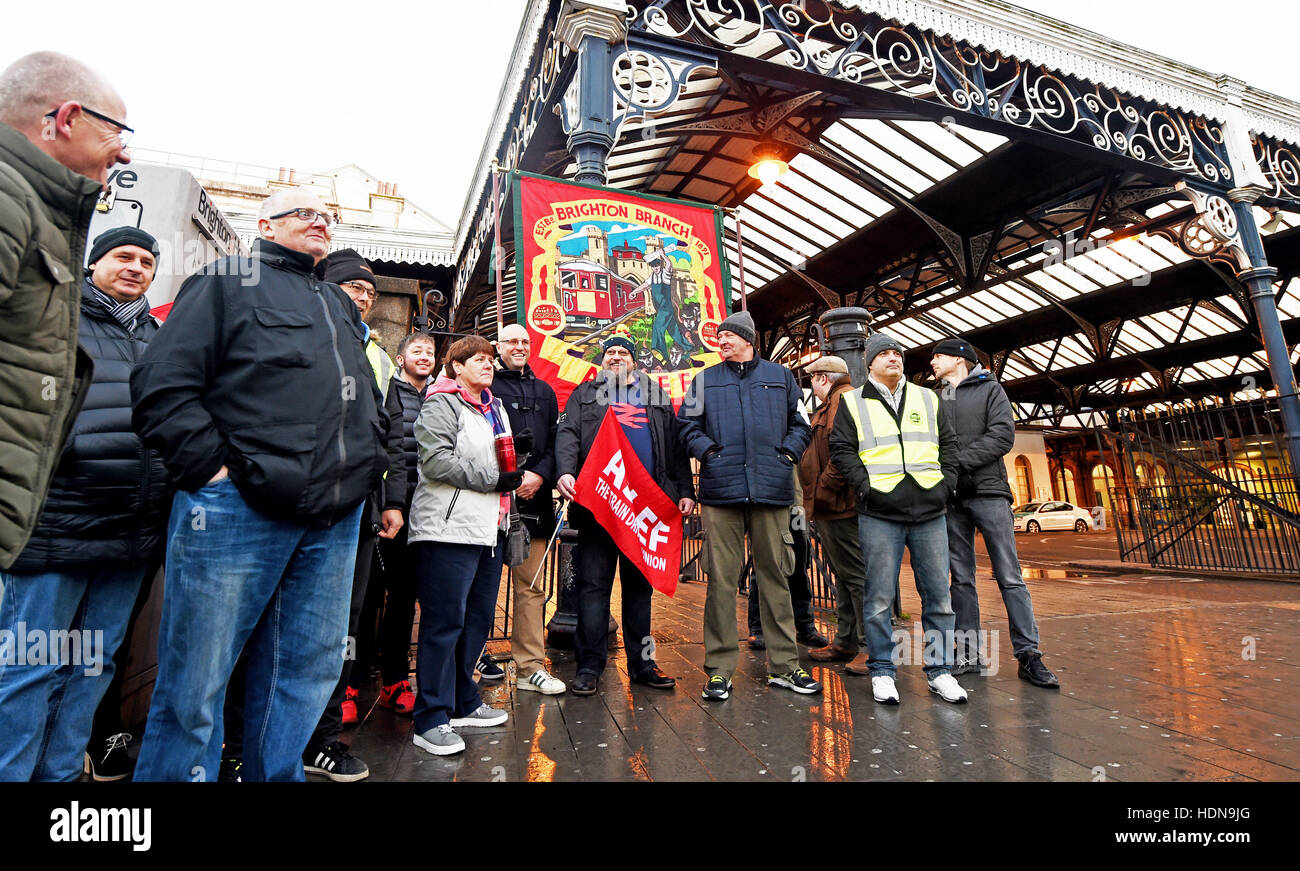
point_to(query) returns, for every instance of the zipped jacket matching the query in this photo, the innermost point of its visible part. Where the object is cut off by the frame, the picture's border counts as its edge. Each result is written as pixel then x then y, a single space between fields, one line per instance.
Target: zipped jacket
pixel 109 501
pixel 454 500
pixel 531 404
pixel 986 432
pixel 261 367
pixel 45 211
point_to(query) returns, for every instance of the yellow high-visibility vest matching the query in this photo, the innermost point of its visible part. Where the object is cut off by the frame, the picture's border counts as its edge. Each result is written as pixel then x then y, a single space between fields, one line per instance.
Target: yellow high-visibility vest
pixel 383 367
pixel 889 449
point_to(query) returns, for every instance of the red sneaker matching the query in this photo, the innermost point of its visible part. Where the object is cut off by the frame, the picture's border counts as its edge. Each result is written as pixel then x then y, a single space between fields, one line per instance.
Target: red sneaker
pixel 398 697
pixel 349 707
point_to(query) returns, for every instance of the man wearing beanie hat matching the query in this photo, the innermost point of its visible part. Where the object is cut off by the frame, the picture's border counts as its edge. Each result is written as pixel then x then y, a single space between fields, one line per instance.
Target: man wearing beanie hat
pixel 894 443
pixel 741 419
pixel 99 538
pixel 646 414
pixel 986 432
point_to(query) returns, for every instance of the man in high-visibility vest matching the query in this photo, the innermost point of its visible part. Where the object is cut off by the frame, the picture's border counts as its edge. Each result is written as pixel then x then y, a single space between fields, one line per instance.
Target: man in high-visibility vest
pixel 893 443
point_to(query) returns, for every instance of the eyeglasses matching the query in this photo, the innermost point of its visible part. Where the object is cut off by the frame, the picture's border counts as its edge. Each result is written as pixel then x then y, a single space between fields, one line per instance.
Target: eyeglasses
pixel 516 341
pixel 307 216
pixel 124 133
pixel 355 288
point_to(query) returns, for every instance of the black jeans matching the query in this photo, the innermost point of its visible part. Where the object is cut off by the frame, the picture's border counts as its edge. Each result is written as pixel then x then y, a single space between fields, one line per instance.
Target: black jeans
pixel 800 592
pixel 399 610
pixel 595 559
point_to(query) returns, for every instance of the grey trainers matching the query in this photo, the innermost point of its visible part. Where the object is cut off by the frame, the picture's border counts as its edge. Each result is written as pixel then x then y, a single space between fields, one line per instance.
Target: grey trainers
pixel 440 741
pixel 482 716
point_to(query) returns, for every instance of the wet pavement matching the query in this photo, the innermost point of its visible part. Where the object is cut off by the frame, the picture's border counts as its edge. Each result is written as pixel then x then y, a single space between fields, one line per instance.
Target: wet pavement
pixel 1163 678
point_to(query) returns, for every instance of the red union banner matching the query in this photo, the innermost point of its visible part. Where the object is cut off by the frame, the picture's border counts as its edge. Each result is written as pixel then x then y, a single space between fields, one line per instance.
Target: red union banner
pixel 592 260
pixel 641 518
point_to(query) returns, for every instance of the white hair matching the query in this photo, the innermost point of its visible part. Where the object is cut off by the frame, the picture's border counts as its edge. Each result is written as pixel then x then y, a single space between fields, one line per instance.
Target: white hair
pixel 36 83
pixel 275 203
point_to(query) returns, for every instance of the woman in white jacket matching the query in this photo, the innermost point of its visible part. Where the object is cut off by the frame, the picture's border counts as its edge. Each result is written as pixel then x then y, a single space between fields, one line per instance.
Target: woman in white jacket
pixel 457 536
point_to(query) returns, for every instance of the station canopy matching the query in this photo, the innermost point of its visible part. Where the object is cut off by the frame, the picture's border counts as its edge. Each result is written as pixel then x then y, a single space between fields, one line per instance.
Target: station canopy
pixel 955 168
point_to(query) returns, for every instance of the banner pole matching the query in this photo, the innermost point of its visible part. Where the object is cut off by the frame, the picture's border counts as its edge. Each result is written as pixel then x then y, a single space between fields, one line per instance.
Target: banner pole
pixel 564 514
pixel 740 263
pixel 496 241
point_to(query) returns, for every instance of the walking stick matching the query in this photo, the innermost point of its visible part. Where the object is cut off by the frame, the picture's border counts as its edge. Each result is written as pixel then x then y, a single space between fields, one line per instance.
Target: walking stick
pixel 564 513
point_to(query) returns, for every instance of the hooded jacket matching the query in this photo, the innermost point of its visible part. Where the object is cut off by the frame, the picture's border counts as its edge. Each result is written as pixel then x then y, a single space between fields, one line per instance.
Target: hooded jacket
pixel 908 502
pixel 268 377
pixel 455 500
pixel 109 501
pixel 986 431
pixel 531 404
pixel 45 211
pixel 403 406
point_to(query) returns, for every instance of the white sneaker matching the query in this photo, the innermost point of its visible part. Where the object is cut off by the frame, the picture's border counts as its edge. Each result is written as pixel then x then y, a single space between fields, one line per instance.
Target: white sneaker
pixel 542 681
pixel 482 716
pixel 883 689
pixel 440 741
pixel 946 686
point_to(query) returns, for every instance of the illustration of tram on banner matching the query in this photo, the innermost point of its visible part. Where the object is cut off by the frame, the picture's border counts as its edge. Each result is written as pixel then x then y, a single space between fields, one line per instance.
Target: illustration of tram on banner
pixel 592 295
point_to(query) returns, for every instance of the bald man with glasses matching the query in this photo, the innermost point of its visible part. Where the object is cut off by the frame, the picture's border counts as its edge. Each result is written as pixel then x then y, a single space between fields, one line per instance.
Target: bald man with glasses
pixel 55 155
pixel 261 401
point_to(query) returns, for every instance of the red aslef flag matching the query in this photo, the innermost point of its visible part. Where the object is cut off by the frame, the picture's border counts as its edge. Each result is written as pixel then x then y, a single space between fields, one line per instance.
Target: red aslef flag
pixel 641 518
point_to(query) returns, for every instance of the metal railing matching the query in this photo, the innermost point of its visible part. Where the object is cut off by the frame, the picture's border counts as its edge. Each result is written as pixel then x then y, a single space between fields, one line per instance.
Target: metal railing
pixel 1205 486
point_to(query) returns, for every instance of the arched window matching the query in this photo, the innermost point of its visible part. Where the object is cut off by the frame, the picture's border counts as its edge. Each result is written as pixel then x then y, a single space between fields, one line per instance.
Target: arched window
pixel 1065 488
pixel 1102 480
pixel 1024 481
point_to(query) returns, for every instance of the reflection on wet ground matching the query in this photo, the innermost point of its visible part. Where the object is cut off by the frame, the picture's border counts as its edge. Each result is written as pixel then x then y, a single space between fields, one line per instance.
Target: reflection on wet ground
pixel 1162 679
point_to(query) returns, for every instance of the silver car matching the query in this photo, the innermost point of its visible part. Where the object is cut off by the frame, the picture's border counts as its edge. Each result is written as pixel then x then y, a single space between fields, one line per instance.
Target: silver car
pixel 1034 517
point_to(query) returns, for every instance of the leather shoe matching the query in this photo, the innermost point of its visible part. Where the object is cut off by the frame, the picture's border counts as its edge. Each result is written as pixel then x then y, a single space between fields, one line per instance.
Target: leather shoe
pixel 654 677
pixel 831 653
pixel 812 638
pixel 584 683
pixel 756 642
pixel 858 666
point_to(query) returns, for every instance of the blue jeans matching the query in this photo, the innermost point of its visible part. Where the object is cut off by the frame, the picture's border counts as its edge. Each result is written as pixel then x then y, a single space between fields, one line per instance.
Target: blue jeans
pixel 882 549
pixel 240 580
pixel 49 690
pixel 457 585
pixel 991 515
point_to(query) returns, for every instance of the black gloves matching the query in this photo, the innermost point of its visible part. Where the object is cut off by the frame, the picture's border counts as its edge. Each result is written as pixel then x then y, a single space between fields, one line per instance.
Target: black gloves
pixel 508 482
pixel 524 442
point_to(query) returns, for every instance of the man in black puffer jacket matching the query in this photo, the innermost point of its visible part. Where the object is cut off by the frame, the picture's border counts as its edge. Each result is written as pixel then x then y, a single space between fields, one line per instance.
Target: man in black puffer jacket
pixel 100 534
pixel 981 414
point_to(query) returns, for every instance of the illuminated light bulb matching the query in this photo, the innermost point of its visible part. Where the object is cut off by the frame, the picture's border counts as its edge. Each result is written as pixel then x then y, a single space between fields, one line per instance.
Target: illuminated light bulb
pixel 769 170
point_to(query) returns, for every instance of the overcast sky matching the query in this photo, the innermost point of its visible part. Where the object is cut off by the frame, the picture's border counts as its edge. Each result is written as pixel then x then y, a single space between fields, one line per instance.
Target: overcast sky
pixel 407 91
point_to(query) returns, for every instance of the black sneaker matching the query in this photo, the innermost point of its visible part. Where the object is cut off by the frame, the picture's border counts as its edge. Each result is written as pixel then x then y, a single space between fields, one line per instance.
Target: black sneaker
pixel 717 689
pixel 1033 670
pixel 335 762
pixel 798 680
pixel 111 762
pixel 231 770
pixel 965 666
pixel 489 670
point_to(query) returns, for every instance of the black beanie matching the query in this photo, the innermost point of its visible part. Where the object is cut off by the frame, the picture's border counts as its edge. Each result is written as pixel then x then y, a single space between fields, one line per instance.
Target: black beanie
pixel 119 236
pixel 742 324
pixel 347 265
pixel 956 347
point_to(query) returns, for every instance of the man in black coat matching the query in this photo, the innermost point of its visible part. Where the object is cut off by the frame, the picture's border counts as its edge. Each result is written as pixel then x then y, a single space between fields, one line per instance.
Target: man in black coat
pixel 646 415
pixel 97 540
pixel 986 432
pixel 258 395
pixel 531 406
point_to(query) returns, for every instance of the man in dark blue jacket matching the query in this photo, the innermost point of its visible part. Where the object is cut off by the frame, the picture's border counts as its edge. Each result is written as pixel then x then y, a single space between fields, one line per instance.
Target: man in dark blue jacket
pixel 741 420
pixel 258 395
pixel 99 536
pixel 986 432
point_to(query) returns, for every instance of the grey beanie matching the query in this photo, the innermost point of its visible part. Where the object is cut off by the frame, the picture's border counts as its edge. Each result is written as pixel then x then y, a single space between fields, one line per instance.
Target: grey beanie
pixel 742 324
pixel 878 342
